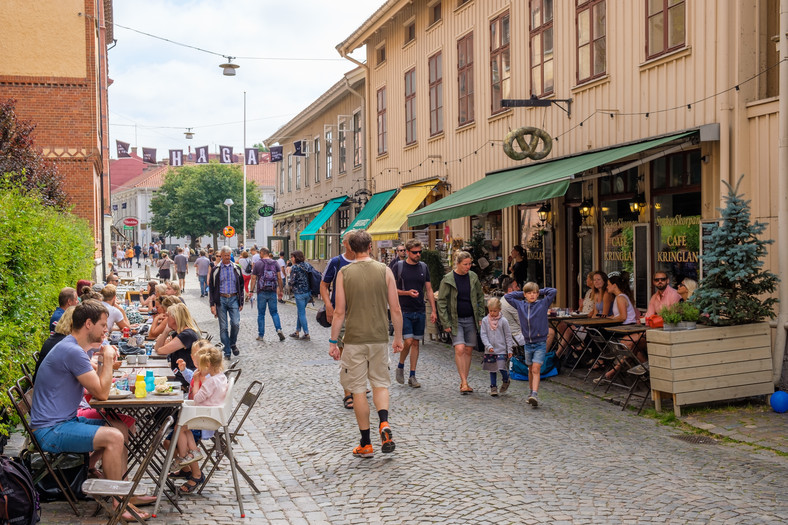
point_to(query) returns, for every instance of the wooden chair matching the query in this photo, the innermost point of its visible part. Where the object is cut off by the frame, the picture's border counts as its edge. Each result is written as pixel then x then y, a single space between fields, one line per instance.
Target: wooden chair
pixel 22 402
pixel 107 491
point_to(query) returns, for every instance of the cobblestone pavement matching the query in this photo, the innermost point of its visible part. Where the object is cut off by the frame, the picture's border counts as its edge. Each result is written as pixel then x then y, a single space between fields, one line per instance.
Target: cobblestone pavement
pixel 462 459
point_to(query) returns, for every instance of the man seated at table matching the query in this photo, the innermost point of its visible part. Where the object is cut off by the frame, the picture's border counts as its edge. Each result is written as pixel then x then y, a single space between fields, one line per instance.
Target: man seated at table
pixel 62 377
pixel 664 296
pixel 68 297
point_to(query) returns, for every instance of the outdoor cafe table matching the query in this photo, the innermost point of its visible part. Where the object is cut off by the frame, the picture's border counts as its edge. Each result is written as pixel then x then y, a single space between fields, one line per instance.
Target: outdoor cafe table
pixel 150 412
pixel 636 331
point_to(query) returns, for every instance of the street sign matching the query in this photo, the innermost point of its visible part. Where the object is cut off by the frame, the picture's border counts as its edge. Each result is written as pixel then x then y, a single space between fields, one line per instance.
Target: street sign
pixel 266 210
pixel 128 227
pixel 130 221
pixel 229 231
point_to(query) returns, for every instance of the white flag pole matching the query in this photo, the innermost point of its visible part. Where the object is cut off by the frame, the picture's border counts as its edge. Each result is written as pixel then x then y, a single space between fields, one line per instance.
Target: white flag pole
pixel 244 156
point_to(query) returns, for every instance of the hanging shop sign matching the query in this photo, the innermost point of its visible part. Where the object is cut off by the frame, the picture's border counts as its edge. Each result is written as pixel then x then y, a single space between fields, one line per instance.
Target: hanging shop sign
pixel 130 221
pixel 266 210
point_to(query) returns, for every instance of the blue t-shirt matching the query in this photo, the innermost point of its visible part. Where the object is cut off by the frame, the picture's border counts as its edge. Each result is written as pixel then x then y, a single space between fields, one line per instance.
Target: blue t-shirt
pixel 58 393
pixel 334 265
pixel 55 318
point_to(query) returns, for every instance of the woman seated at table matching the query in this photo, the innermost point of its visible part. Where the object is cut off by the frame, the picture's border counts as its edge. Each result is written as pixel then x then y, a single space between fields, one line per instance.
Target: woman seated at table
pixel 596 303
pixel 159 324
pixel 149 301
pixel 177 343
pixel 159 291
pixel 625 313
pixel 173 289
pixel 686 288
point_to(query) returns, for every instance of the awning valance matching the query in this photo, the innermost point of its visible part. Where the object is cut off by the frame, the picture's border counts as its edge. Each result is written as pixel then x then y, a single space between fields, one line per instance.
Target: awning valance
pixel 328 210
pixel 528 184
pixel 387 226
pixel 295 213
pixel 373 207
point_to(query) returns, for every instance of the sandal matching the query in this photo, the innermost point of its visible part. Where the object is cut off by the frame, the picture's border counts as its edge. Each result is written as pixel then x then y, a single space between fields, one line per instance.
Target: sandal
pixel 466 390
pixel 188 487
pixel 182 474
pixel 347 401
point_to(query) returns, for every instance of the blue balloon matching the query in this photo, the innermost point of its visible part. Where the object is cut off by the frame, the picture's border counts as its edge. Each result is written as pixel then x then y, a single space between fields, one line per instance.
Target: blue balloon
pixel 779 402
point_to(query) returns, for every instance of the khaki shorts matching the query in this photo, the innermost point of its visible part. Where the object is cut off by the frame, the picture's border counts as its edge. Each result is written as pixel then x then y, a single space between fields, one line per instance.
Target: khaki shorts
pixel 362 362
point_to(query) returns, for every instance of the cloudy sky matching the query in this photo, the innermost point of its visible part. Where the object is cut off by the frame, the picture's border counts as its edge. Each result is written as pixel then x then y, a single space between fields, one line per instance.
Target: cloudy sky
pixel 160 88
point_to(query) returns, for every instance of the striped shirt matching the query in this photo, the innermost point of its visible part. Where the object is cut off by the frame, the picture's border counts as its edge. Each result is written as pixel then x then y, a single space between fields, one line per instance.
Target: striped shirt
pixel 227 279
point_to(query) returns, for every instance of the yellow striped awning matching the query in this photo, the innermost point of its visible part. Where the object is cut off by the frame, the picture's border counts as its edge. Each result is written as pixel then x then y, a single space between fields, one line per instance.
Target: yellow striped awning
pixel 389 223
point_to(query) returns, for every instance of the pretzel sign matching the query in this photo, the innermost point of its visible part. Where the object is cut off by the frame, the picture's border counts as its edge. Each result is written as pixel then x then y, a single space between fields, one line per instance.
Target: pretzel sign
pixel 528 150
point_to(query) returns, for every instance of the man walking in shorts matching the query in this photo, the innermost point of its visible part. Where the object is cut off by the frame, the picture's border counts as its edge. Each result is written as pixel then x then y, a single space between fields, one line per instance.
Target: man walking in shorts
pixel 412 278
pixel 182 267
pixel 364 290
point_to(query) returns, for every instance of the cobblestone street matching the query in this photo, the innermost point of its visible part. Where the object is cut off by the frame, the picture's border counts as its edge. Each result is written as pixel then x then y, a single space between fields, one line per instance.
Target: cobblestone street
pixel 460 459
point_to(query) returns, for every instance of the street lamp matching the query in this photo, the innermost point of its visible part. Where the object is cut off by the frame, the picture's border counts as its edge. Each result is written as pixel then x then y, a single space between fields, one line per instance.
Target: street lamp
pixel 228 202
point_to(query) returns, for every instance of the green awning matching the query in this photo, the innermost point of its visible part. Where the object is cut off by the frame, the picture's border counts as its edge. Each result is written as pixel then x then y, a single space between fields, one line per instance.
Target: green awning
pixel 528 184
pixel 320 219
pixel 373 207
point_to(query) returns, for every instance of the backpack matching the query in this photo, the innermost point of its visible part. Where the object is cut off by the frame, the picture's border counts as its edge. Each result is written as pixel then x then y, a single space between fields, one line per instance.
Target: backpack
pixel 249 266
pixel 397 270
pixel 268 280
pixel 315 278
pixel 19 502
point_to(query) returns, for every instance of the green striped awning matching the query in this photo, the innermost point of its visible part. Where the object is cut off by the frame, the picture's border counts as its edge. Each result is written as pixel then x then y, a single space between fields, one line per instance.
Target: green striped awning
pixel 370 211
pixel 320 219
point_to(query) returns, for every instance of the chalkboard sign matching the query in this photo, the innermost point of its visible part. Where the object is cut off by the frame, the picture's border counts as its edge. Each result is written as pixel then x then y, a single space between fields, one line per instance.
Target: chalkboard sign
pixel 706 227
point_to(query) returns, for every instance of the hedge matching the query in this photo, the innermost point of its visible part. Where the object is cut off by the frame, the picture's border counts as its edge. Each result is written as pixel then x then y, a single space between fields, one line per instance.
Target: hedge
pixel 42 250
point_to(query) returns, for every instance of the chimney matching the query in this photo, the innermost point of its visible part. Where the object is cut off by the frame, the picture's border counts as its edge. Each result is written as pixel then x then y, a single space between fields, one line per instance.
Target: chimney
pixel 134 150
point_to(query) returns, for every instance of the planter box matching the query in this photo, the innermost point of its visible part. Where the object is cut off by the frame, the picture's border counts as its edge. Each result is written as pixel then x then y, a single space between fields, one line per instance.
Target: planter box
pixel 710 363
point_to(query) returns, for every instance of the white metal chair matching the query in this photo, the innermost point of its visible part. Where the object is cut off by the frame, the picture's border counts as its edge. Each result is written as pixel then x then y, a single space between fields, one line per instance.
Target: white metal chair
pixel 204 418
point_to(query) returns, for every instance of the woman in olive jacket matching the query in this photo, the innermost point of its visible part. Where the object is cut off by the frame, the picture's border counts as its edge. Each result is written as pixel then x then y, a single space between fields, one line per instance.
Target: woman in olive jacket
pixel 461 309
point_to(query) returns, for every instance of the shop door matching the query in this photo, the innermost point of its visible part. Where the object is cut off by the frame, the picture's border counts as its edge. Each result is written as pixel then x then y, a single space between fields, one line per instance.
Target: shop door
pixel 278 244
pixel 641 264
pixel 579 256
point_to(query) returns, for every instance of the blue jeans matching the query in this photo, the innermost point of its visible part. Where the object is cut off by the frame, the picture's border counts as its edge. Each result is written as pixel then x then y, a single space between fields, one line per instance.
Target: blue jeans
pixel 203 284
pixel 228 306
pixel 268 299
pixel 301 299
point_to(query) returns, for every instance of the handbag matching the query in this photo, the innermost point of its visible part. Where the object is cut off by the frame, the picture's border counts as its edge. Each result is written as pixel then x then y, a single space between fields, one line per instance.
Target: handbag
pixel 655 321
pixel 322 318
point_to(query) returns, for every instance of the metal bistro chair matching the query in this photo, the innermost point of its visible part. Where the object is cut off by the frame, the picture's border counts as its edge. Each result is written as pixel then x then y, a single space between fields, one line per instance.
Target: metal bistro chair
pixel 597 345
pixel 248 400
pixel 105 491
pixel 639 373
pixel 204 418
pixel 51 461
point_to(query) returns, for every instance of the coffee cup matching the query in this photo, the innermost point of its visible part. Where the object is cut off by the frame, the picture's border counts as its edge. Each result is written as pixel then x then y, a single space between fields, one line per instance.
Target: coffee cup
pixel 142 359
pixel 131 359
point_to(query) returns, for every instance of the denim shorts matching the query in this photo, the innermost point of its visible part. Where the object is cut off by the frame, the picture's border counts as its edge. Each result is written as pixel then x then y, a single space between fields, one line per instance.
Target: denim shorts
pixel 535 353
pixel 413 325
pixel 466 332
pixel 74 435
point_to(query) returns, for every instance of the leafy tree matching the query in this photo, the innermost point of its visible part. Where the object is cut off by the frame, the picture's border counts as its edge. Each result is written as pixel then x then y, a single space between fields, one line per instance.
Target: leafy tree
pixel 262 148
pixel 191 201
pixel 23 163
pixel 735 278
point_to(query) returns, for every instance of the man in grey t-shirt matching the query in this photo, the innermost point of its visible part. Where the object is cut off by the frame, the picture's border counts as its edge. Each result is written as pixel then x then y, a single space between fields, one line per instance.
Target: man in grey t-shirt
pixel 202 266
pixel 182 267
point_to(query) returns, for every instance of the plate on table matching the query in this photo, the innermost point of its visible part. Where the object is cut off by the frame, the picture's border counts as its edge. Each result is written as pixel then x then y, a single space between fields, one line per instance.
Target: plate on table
pixel 172 393
pixel 578 316
pixel 122 394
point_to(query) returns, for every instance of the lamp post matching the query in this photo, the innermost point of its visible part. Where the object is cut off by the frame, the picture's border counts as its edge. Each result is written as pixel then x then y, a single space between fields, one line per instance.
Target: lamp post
pixel 228 202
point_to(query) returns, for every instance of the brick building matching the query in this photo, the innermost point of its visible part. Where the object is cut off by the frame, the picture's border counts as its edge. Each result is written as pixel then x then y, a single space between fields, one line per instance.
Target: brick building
pixel 53 61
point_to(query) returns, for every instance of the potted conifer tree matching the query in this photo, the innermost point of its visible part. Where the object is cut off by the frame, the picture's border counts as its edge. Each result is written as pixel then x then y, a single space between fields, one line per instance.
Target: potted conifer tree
pixel 730 355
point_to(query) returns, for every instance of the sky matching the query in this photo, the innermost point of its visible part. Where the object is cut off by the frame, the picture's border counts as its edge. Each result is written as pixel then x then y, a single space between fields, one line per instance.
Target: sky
pixel 160 89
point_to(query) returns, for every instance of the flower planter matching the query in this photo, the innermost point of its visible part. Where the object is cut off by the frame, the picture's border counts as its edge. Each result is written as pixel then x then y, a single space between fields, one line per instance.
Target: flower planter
pixel 670 327
pixel 710 363
pixel 687 325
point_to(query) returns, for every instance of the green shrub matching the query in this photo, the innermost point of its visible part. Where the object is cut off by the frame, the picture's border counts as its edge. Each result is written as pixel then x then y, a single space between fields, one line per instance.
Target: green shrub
pixel 671 314
pixel 689 312
pixel 42 250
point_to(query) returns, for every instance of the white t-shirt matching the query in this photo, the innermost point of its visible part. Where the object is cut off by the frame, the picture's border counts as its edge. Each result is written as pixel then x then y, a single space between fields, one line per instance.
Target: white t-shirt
pixel 282 264
pixel 255 258
pixel 115 316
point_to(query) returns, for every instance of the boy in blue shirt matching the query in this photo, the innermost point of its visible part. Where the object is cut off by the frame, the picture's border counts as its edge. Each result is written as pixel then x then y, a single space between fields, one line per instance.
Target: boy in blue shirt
pixel 532 312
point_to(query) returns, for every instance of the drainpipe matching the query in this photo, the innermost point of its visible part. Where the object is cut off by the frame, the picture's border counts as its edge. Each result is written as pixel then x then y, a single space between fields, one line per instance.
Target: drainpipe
pixel 778 353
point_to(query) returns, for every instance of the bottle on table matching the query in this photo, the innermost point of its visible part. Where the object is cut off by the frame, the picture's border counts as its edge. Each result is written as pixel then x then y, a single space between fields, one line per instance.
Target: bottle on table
pixel 140 389
pixel 149 384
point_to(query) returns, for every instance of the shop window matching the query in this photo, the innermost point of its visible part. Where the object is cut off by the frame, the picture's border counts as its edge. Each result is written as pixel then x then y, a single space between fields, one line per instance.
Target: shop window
pixel 541 39
pixel 618 222
pixel 465 79
pixel 591 42
pixel 410 106
pixel 500 61
pixel 436 93
pixel 676 171
pixel 491 227
pixel 665 26
pixel 538 247
pixel 621 185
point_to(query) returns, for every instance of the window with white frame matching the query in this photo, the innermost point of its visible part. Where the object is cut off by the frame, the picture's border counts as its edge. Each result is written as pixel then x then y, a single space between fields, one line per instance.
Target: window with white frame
pixel 357 148
pixel 342 136
pixel 281 178
pixel 410 106
pixel 329 157
pixel 382 122
pixel 289 172
pixel 298 173
pixel 316 155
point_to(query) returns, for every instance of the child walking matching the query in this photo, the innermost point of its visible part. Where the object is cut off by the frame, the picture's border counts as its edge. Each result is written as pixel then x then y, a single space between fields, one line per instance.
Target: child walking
pixel 497 339
pixel 532 312
pixel 209 388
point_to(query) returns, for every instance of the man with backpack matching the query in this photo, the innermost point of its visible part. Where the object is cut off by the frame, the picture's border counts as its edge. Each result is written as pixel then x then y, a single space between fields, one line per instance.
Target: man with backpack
pixel 412 278
pixel 267 282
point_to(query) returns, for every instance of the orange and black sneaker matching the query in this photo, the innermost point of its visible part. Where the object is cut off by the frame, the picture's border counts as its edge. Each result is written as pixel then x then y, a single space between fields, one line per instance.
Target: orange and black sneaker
pixel 385 438
pixel 363 451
